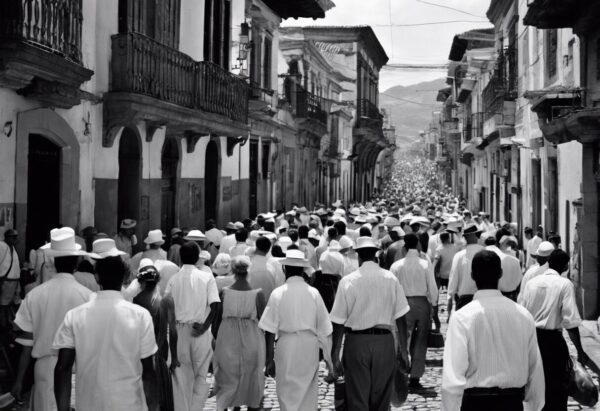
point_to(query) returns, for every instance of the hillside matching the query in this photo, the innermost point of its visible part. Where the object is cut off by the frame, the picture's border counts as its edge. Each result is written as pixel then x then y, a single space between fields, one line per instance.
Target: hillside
pixel 407 116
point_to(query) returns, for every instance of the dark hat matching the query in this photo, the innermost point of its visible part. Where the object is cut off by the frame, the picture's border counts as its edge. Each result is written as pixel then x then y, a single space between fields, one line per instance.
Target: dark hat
pixel 471 229
pixel 11 233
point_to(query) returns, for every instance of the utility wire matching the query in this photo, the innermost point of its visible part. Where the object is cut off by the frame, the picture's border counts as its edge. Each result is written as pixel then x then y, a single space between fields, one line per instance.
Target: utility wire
pixel 407 100
pixel 449 8
pixel 432 23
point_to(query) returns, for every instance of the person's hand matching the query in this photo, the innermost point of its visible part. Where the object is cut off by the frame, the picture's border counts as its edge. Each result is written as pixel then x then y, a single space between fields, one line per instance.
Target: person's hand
pixel 402 360
pixel 16 390
pixel 198 329
pixel 338 368
pixel 174 364
pixel 270 369
pixel 582 358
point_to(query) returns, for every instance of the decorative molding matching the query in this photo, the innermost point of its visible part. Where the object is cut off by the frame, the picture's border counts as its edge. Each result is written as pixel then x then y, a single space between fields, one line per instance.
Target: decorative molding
pixel 151 127
pixel 191 140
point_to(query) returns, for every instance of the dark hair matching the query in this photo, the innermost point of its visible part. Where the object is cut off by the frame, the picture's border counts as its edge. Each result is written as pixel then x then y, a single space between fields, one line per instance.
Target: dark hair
pixel 528 230
pixel 366 254
pixel 111 272
pixel 445 237
pixel 293 234
pixel 66 264
pixel 85 266
pixel 189 253
pixel 558 260
pixel 411 241
pixel 293 247
pixel 269 226
pixel 263 244
pixel 436 225
pixel 293 271
pixel 364 232
pixel 241 235
pixel 340 226
pixel 303 231
pixel 555 239
pixel 501 233
pixel 486 269
pixel 491 240
pixel 277 252
pixel 332 233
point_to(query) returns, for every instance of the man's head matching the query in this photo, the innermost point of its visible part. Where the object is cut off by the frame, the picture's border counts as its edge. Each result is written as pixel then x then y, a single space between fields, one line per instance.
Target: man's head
pixel 241 235
pixel 66 264
pixel 263 245
pixel 303 232
pixel 364 232
pixel 340 226
pixel 332 233
pixel 486 270
pixel 189 253
pixel 543 252
pixel 293 234
pixel 110 272
pixel 528 233
pixel 411 241
pixel 558 261
pixel 445 237
pixel 10 237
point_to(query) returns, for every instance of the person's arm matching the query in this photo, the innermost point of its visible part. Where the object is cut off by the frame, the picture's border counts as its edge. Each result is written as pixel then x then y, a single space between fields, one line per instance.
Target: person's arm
pixel 170 323
pixel 582 357
pixel 150 383
pixel 402 355
pixel 261 303
pixel 201 328
pixel 535 387
pixel 572 320
pixel 62 378
pixel 270 362
pixel 456 363
pixel 218 318
pixel 432 289
pixel 453 281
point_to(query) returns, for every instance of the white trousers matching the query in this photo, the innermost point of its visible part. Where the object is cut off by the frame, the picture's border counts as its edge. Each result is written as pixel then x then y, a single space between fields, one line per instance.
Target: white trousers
pixel 43 387
pixel 190 388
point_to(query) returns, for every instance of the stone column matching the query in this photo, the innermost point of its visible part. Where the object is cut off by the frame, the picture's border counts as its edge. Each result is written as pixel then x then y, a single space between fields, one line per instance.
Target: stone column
pixel 588 285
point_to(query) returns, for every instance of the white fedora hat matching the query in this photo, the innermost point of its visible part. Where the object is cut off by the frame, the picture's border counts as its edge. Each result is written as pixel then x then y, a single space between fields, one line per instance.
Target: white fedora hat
pixel 105 247
pixel 365 242
pixel 195 235
pixel 295 258
pixel 154 237
pixel 62 243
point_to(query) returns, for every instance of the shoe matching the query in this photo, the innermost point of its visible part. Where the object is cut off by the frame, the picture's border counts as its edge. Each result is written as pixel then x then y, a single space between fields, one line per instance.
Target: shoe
pixel 6 400
pixel 414 383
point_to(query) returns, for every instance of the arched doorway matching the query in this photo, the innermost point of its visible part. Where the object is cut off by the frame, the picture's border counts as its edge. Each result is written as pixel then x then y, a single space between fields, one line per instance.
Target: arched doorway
pixel 129 175
pixel 43 190
pixel 169 163
pixel 211 180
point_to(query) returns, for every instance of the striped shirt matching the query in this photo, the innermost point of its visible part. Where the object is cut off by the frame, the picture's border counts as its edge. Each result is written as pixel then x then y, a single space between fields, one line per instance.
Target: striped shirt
pixel 369 297
pixel 491 342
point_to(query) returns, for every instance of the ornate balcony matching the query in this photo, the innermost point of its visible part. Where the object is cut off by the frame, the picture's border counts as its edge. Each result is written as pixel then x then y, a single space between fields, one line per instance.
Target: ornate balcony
pixel 163 86
pixel 366 109
pixel 261 100
pixel 503 85
pixel 306 105
pixel 40 50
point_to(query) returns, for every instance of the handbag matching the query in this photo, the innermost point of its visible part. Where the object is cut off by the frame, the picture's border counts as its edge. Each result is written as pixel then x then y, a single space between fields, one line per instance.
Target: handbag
pixel 581 386
pixel 435 339
pixel 400 390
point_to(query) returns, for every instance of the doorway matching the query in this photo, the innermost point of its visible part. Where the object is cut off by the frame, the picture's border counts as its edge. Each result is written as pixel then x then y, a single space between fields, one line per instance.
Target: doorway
pixel 129 176
pixel 211 179
pixel 169 163
pixel 43 190
pixel 253 209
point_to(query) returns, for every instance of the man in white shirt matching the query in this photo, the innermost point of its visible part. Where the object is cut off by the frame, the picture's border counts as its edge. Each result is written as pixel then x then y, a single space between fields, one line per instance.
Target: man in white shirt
pixel 461 286
pixel 367 303
pixel 296 313
pixel 196 299
pixel 229 240
pixel 42 312
pixel 331 267
pixel 511 268
pixel 261 273
pixel 113 343
pixel 417 280
pixel 491 357
pixel 241 235
pixel 541 256
pixel 532 246
pixel 550 298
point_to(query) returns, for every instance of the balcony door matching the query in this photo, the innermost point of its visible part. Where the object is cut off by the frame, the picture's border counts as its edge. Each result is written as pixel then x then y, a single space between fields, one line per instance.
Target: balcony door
pixel 157 19
pixel 211 182
pixel 130 164
pixel 43 190
pixel 169 165
pixel 217 32
pixel 253 178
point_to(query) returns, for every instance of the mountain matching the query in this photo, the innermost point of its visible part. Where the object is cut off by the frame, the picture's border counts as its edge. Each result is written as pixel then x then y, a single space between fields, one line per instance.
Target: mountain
pixel 410 107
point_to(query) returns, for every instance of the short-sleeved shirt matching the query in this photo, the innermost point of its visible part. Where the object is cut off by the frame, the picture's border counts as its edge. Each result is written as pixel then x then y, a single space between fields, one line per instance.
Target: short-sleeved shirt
pixel 44 309
pixel 110 337
pixel 296 307
pixel 193 292
pixel 550 298
pixel 460 282
pixel 369 297
pixel 445 254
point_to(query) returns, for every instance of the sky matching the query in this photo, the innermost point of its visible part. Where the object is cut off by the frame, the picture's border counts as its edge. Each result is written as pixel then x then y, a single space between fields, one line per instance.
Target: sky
pixel 424 44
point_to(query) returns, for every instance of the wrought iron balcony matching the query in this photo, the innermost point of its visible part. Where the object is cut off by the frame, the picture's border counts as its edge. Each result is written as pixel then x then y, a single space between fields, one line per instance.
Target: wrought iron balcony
pixel 474 126
pixel 366 109
pixel 307 105
pixel 503 85
pixel 144 66
pixel 54 25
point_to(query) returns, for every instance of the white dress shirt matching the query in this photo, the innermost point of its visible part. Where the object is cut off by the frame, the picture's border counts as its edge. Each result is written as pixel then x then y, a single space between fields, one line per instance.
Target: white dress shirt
pixel 110 337
pixel 262 275
pixel 44 309
pixel 511 270
pixel 416 276
pixel 532 272
pixel 238 249
pixel 296 307
pixel 460 282
pixel 193 292
pixel 369 297
pixel 550 298
pixel 491 342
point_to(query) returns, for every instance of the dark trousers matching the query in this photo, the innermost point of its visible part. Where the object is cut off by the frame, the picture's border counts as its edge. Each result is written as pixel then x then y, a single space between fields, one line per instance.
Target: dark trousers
pixel 327 285
pixel 463 300
pixel 492 399
pixel 555 358
pixel 369 362
pixel 418 321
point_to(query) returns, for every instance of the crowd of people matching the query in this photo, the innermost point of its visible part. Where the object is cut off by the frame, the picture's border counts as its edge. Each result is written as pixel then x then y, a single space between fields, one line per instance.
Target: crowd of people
pixel 354 285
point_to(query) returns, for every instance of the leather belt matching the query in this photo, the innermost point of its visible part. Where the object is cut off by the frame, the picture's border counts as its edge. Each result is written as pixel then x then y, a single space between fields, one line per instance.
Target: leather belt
pixel 369 331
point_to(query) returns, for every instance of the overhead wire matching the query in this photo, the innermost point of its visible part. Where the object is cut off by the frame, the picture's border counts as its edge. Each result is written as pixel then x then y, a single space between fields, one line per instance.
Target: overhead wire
pixel 449 8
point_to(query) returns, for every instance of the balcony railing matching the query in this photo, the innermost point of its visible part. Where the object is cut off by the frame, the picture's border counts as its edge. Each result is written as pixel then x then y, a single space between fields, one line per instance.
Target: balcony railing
pixel 256 92
pixel 54 25
pixel 474 126
pixel 503 85
pixel 144 66
pixel 366 108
